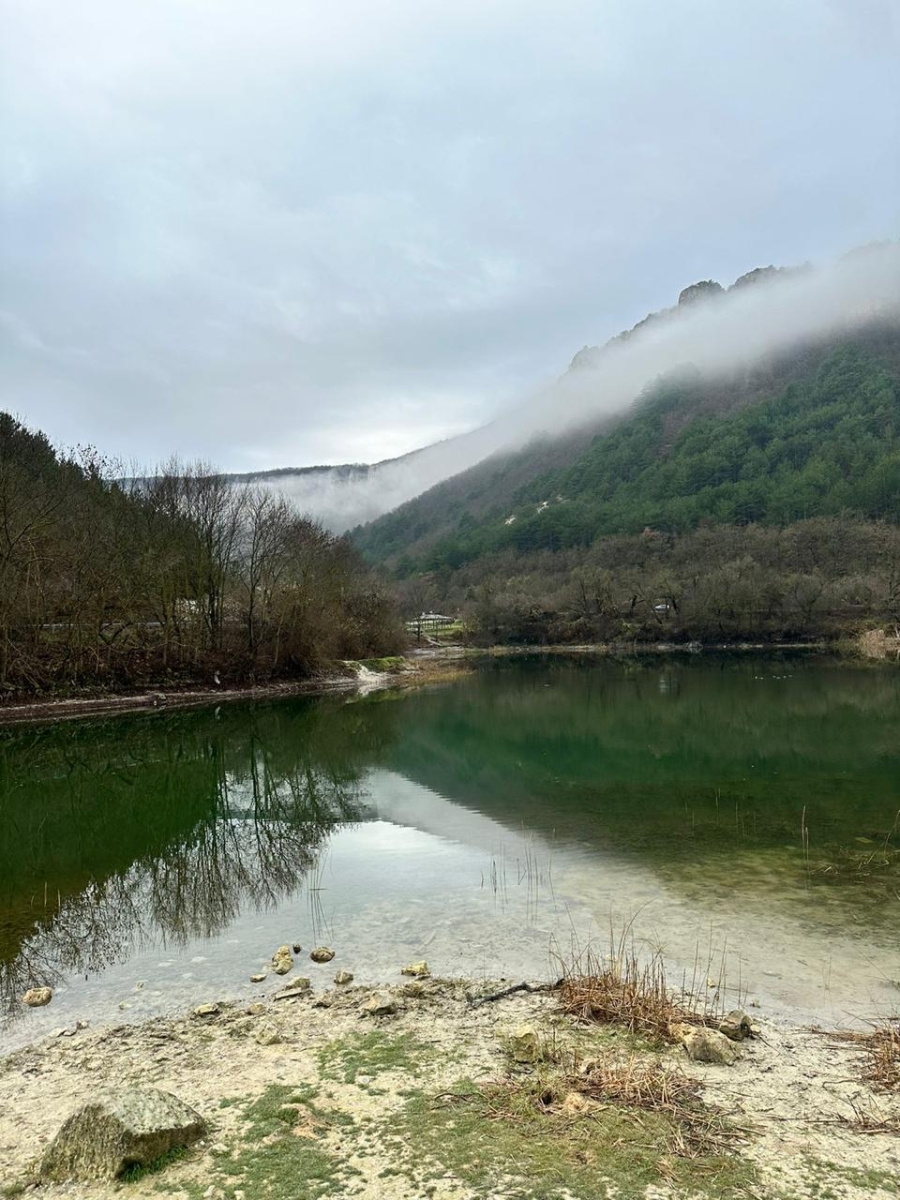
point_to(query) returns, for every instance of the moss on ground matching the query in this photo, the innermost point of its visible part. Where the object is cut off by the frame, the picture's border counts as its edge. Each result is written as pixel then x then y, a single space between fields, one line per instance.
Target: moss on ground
pixel 497 1139
pixel 345 1059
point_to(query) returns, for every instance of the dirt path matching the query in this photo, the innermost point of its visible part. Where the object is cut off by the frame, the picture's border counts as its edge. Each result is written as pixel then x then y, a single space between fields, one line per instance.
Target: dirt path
pixel 340 1103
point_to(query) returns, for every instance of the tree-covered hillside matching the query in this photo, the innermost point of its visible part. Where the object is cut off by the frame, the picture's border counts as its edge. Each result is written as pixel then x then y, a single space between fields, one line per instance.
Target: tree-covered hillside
pixel 826 443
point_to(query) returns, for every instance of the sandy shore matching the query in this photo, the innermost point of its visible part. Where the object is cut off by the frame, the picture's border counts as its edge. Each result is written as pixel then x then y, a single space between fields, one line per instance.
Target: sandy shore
pixel 340 1103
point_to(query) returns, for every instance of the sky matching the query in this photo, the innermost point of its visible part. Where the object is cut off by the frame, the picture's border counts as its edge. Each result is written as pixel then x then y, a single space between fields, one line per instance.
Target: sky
pixel 286 232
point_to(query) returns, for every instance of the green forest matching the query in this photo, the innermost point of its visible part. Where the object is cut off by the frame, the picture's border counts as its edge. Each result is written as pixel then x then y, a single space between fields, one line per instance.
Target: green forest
pixel 763 507
pixel 825 446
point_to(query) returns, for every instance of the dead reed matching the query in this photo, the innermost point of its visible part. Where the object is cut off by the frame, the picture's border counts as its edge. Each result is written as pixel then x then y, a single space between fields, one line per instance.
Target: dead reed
pixel 625 989
pixel 881 1047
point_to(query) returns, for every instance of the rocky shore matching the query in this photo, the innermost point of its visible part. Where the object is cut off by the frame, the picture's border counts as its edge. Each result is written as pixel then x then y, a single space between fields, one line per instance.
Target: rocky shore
pixel 423 1089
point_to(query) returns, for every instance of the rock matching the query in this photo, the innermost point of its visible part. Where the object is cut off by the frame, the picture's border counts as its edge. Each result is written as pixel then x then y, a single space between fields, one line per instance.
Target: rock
pixel 419 970
pixel 254 1010
pixel 37 997
pixel 117 1130
pixel 708 1045
pixel 321 954
pixel 282 960
pixel 258 978
pixel 736 1025
pixel 380 1004
pixel 300 984
pixel 523 1044
pixel 296 947
pixel 267 1035
pixel 343 977
pixel 205 1010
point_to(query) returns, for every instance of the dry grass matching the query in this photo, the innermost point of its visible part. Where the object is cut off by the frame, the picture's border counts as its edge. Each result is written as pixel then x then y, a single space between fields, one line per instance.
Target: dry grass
pixel 881 1048
pixel 620 988
pixel 875 643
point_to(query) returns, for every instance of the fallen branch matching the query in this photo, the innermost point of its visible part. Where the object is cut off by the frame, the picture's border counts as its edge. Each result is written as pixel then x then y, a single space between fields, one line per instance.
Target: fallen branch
pixel 475 1001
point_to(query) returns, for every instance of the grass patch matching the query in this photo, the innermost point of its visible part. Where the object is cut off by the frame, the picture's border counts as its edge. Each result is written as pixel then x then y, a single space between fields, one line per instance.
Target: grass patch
pixel 527 1139
pixel 139 1171
pixel 345 1059
pixel 281 1156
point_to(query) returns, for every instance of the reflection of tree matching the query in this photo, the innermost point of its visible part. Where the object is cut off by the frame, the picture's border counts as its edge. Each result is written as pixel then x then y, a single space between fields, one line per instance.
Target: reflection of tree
pixel 167 837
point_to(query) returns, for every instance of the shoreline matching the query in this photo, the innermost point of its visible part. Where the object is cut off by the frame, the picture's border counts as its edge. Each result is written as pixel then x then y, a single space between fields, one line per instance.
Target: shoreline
pixel 386 1105
pixel 421 665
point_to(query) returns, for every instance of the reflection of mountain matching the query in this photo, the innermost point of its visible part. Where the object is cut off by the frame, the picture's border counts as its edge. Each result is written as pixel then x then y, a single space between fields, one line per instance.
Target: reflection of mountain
pixel 664 756
pixel 122 830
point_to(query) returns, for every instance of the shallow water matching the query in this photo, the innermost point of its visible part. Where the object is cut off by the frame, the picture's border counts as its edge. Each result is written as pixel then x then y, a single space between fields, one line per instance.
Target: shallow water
pixel 737 811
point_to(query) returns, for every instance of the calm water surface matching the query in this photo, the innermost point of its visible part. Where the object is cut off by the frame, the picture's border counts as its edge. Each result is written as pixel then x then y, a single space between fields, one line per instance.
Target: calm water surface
pixel 738 811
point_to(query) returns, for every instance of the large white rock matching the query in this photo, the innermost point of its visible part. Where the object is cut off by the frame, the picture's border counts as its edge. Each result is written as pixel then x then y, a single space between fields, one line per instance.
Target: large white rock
pixel 118 1130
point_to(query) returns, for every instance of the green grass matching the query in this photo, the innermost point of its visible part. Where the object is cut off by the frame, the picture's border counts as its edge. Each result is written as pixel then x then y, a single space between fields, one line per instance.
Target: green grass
pixel 281 1156
pixel 345 1059
pixel 141 1171
pixel 829 1180
pixel 493 1134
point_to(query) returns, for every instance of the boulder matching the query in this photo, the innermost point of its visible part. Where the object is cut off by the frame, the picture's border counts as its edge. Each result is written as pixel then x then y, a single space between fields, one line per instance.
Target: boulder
pixel 736 1025
pixel 267 1035
pixel 300 983
pixel 420 970
pixel 343 977
pixel 321 954
pixel 708 1045
pixel 282 960
pixel 380 1004
pixel 117 1130
pixel 37 997
pixel 258 978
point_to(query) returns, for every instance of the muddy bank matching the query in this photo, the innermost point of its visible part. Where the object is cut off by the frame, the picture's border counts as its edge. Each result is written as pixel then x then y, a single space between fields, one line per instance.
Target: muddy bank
pixel 416 669
pixel 313 1095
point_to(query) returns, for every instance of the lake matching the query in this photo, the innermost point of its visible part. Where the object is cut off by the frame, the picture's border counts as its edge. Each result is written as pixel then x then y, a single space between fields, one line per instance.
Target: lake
pixel 738 812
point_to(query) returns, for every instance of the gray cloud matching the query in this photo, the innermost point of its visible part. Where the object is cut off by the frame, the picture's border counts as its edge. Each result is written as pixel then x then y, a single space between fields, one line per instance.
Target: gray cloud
pixel 290 232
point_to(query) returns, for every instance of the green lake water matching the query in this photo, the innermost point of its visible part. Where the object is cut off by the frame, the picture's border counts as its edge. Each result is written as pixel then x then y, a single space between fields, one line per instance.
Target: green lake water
pixel 739 812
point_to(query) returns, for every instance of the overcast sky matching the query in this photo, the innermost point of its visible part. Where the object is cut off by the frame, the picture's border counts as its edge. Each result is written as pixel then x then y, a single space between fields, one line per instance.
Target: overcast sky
pixel 283 232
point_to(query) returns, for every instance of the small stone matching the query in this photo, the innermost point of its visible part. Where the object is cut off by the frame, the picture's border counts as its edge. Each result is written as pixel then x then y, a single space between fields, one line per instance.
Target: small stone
pixel 267 1035
pixel 118 1130
pixel 523 1044
pixel 254 1010
pixel 37 997
pixel 343 977
pixel 321 954
pixel 380 1004
pixel 708 1045
pixel 205 1010
pixel 300 984
pixel 736 1025
pixel 296 947
pixel 258 978
pixel 282 960
pixel 420 970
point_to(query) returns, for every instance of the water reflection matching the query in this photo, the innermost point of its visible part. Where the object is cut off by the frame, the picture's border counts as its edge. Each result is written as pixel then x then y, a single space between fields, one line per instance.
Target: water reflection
pixel 474 823
pixel 132 832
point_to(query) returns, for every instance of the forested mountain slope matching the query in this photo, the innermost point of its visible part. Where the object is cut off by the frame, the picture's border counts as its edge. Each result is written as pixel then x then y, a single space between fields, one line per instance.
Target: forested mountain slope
pixel 811 433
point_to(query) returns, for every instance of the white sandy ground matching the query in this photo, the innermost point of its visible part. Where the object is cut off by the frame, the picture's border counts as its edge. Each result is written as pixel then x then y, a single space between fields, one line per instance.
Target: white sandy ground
pixel 790 1088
